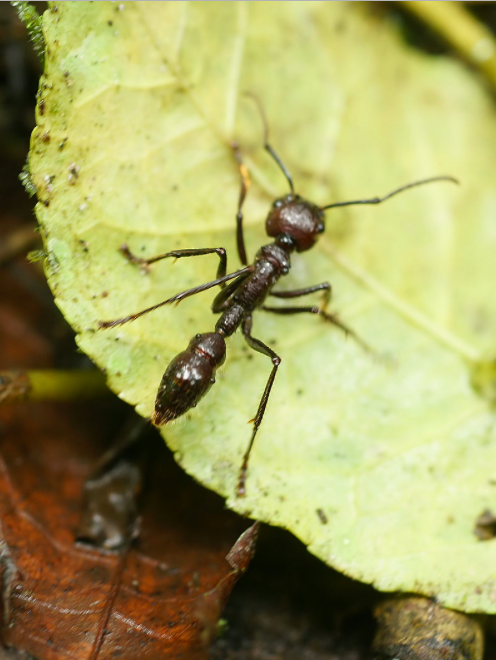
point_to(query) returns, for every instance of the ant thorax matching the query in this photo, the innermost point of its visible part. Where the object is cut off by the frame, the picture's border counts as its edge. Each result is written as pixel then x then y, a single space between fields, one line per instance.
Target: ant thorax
pixel 276 255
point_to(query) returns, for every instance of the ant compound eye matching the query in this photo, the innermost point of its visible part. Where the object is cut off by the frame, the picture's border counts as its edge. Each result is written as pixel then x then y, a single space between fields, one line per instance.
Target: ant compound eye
pixel 277 203
pixel 198 336
pixel 289 198
pixel 320 227
pixel 285 270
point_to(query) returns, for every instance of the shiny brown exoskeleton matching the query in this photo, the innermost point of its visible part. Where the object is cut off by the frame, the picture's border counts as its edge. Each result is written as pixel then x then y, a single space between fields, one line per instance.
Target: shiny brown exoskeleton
pixel 295 225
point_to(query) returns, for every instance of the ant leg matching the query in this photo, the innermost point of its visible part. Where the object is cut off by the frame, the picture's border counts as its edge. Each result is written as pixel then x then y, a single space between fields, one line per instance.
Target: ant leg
pixel 324 286
pixel 259 346
pixel 177 254
pixel 245 185
pixel 221 300
pixel 331 318
pixel 177 298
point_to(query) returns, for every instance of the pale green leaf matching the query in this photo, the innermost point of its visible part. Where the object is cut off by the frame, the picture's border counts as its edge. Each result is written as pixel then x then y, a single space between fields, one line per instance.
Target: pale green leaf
pixel 397 451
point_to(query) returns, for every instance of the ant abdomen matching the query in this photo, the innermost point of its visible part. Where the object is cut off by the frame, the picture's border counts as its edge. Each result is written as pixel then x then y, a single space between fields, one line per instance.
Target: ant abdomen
pixel 189 376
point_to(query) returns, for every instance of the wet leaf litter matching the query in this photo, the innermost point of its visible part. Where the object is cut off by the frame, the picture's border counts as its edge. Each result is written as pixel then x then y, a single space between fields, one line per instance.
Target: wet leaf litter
pixel 371 447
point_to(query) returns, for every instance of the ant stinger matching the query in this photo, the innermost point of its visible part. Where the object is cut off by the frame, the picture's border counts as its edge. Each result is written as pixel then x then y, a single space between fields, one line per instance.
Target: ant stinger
pixel 295 225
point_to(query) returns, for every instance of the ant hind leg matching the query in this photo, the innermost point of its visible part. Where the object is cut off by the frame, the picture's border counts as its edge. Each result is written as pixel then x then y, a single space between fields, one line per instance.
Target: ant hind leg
pixel 177 298
pixel 259 346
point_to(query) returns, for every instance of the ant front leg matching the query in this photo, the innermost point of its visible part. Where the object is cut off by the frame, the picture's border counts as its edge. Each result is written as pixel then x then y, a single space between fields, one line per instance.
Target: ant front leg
pixel 259 346
pixel 245 185
pixel 178 254
pixel 323 286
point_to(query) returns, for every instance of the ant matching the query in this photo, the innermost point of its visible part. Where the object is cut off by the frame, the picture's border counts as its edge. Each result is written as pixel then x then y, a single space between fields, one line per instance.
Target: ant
pixel 295 225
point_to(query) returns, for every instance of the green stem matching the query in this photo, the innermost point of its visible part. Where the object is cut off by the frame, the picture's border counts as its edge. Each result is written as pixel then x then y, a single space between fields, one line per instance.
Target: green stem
pixel 462 30
pixel 51 385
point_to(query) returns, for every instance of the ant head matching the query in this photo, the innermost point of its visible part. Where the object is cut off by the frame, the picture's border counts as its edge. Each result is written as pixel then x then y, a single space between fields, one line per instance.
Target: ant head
pixel 296 218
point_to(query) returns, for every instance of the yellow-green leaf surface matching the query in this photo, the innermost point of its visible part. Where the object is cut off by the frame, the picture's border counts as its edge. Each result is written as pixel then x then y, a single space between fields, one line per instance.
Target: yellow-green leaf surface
pixel 380 463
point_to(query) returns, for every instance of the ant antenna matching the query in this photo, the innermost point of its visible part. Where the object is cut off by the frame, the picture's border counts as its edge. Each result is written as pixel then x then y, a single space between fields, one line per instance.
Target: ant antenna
pixel 267 146
pixel 378 200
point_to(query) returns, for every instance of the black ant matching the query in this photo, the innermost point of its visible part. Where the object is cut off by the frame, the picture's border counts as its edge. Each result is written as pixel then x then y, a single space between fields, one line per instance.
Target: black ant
pixel 295 225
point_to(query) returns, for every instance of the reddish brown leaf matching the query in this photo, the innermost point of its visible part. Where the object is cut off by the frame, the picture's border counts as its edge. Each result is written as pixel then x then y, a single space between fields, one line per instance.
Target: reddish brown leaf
pixel 160 598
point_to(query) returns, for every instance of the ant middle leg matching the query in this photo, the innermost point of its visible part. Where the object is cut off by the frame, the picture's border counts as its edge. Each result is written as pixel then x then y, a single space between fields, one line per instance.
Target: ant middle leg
pixel 178 254
pixel 330 318
pixel 259 346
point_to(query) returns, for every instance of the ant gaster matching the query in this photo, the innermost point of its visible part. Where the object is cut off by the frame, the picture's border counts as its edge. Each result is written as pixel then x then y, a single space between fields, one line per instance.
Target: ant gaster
pixel 295 225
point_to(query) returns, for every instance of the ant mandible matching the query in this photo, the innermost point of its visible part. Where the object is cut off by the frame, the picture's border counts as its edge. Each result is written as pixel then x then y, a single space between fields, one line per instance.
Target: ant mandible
pixel 295 224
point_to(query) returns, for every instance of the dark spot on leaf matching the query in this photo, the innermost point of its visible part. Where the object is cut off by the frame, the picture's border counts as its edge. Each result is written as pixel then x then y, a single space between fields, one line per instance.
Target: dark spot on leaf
pixel 485 526
pixel 483 379
pixel 73 173
pixel 322 516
